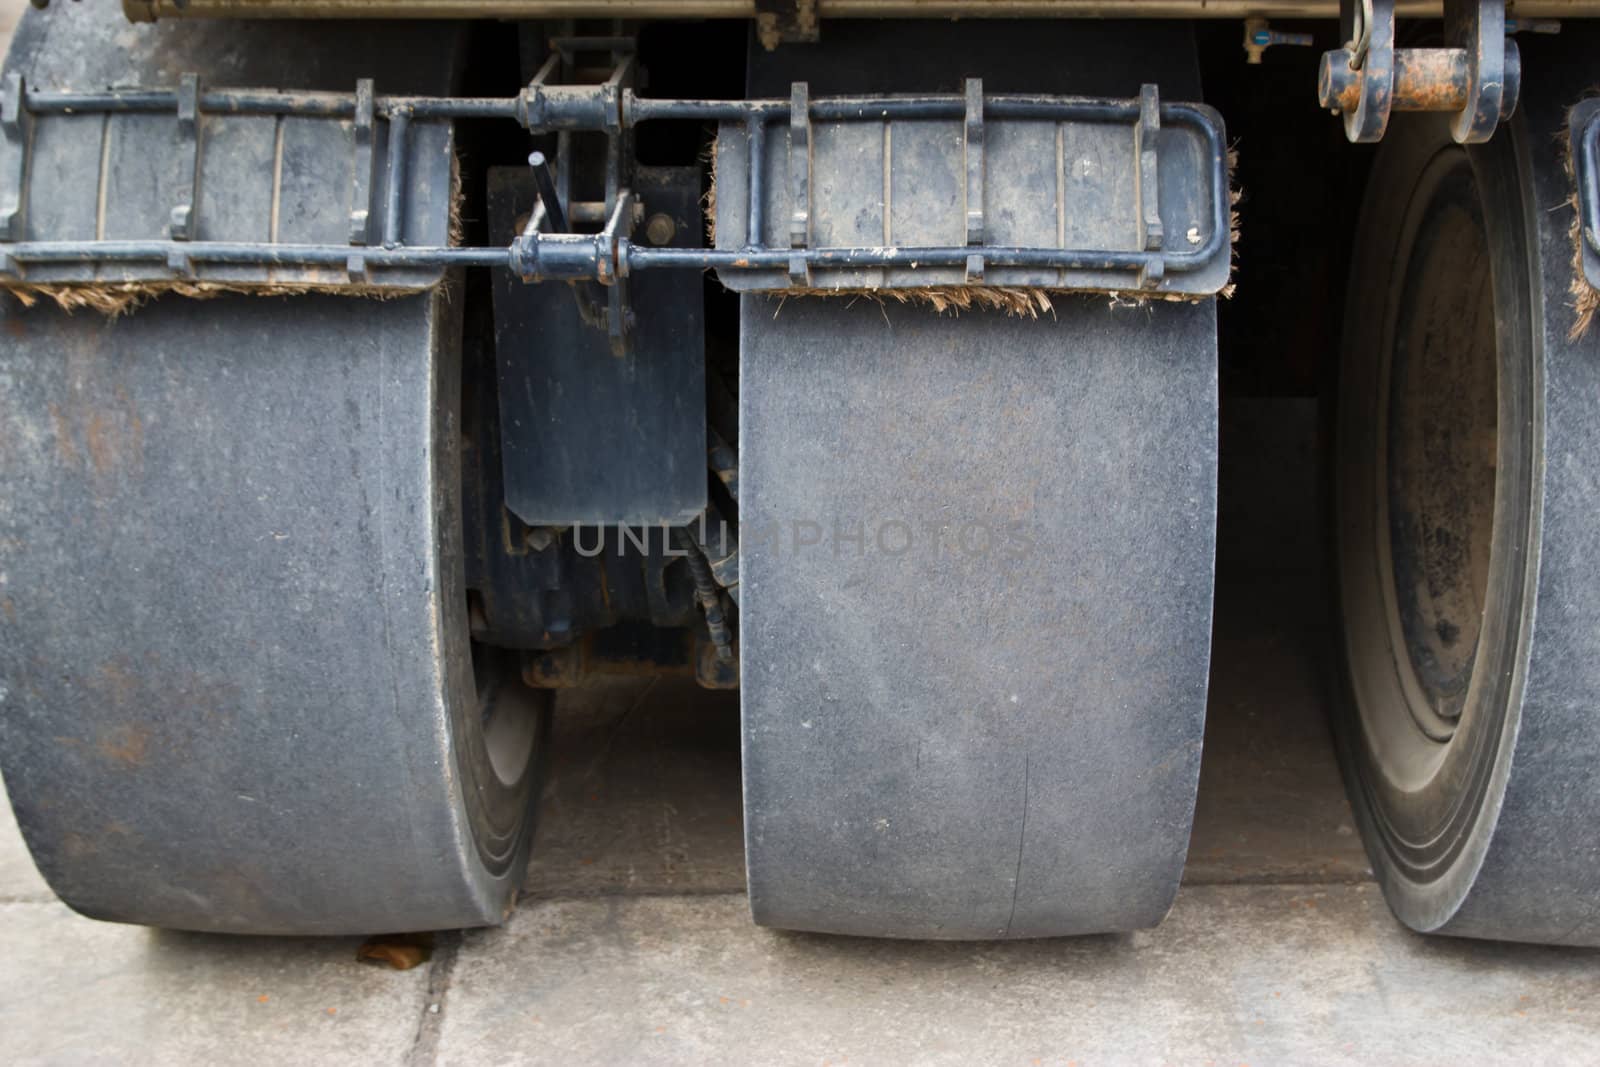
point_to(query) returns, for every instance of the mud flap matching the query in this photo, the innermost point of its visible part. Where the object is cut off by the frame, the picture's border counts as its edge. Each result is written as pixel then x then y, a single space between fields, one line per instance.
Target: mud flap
pixel 977 562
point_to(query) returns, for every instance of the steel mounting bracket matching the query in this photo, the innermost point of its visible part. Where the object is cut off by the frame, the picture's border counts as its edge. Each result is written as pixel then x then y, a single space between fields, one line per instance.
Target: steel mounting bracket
pixel 1476 75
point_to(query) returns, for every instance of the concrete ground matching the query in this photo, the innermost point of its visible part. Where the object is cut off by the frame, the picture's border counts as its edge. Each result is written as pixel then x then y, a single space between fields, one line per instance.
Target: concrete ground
pixel 633 942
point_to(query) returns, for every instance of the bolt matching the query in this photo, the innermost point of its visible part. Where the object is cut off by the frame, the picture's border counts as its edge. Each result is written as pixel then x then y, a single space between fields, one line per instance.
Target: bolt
pixel 660 229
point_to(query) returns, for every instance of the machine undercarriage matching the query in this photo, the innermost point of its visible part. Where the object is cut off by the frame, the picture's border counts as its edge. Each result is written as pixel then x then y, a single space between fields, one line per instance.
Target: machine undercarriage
pixel 368 383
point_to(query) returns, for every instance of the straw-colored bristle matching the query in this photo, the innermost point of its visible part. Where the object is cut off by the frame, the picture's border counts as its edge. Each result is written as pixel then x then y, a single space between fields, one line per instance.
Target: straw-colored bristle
pixel 708 202
pixel 113 299
pixel 1021 301
pixel 457 228
pixel 1235 194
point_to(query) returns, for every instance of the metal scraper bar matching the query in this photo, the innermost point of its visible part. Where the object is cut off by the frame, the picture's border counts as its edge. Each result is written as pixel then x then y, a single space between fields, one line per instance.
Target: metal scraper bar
pixel 974 190
pixel 1173 175
pixel 1583 129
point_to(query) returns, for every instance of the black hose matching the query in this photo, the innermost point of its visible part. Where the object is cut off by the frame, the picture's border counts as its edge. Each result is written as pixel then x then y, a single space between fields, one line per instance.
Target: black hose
pixel 707 592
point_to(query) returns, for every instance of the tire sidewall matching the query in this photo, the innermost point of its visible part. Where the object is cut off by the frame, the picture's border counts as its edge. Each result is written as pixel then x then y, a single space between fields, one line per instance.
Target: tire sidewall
pixel 1426 886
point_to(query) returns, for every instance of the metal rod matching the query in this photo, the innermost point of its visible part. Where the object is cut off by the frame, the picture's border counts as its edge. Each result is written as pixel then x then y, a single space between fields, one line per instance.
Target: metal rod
pixel 637 257
pixel 395 194
pixel 269 102
pixel 754 234
pixel 244 254
pixel 546 183
pixel 642 258
pixel 866 108
pixel 634 110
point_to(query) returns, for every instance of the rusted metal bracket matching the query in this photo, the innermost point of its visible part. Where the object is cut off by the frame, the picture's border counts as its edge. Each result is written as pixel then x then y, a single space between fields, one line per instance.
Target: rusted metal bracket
pixel 1494 67
pixel 1477 76
pixel 1358 79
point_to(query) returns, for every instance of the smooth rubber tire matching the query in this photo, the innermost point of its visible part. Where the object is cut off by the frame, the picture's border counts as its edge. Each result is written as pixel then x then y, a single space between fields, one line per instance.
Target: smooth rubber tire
pixel 1466 436
pixel 976 555
pixel 977 558
pixel 239 694
pixel 237 690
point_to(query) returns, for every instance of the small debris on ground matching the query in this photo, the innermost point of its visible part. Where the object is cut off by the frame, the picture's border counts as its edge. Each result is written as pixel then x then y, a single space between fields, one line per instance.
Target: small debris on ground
pixel 400 951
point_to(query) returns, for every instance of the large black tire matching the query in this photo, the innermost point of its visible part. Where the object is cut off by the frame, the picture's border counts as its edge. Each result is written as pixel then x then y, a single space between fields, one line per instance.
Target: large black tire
pixel 973 705
pixel 237 689
pixel 1467 437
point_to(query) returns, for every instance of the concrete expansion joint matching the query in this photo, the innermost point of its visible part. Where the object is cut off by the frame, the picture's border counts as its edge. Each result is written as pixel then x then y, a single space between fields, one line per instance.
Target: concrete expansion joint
pixel 424 1049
